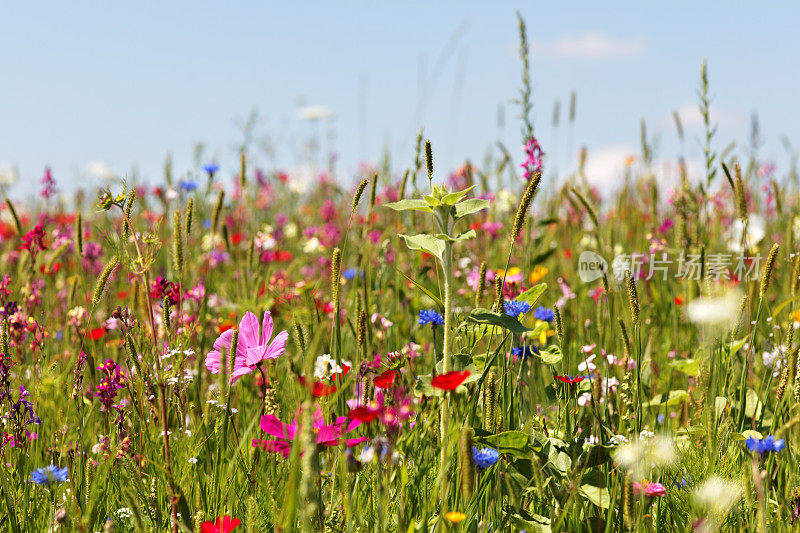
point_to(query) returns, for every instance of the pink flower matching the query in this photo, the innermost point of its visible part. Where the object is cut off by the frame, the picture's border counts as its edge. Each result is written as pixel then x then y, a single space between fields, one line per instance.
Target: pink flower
pixel 651 490
pixel 325 435
pixel 251 349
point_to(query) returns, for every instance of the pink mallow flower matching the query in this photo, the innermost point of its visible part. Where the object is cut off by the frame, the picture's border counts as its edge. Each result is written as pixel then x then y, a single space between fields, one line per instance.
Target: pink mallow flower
pixel 251 348
pixel 325 435
pixel 650 490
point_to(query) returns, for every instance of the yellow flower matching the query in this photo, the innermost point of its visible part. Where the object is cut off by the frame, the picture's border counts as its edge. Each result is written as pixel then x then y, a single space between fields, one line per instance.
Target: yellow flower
pixel 629 160
pixel 455 517
pixel 538 273
pixel 512 275
pixel 795 315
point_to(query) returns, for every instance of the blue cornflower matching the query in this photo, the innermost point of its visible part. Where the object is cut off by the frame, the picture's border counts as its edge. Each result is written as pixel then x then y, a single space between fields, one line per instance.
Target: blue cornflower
pixel 211 168
pixel 188 185
pixel 429 316
pixel 545 314
pixel 515 308
pixel 485 457
pixel 765 445
pixel 350 273
pixel 50 475
pixel 524 351
pixel 207 223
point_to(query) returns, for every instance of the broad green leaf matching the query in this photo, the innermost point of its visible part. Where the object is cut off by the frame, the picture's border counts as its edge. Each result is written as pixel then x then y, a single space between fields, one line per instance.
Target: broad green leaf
pixel 753 405
pixel 746 434
pixel 431 201
pixel 556 456
pixel 689 366
pixel 416 204
pixel 534 293
pixel 468 207
pixel 426 243
pixel 720 403
pixel 673 398
pixel 596 495
pixel 454 197
pixel 463 236
pixel 550 354
pixel 515 443
pixel 533 523
pixel 485 316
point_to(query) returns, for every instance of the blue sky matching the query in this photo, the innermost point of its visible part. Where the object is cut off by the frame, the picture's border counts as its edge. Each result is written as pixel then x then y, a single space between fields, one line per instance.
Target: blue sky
pixel 89 83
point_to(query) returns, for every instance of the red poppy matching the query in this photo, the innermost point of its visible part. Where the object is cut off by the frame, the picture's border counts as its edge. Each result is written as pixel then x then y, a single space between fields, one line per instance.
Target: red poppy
pixel 225 326
pixel 343 373
pixel 223 524
pixel 319 389
pixel 97 333
pixel 56 267
pixel 450 380
pixel 121 295
pixel 236 238
pixel 567 253
pixel 678 300
pixel 570 379
pixel 385 380
pixel 364 414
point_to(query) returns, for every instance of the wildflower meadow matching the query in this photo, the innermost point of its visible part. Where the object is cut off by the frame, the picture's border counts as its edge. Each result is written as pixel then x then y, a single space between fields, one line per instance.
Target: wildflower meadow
pixel 481 348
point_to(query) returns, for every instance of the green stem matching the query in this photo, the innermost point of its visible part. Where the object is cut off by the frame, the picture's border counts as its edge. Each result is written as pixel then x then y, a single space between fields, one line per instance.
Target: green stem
pixel 447 263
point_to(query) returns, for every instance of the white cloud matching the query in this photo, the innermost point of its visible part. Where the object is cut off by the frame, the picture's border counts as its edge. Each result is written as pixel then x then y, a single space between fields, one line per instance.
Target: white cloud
pixel 591 45
pixel 315 112
pixel 606 167
pixel 99 170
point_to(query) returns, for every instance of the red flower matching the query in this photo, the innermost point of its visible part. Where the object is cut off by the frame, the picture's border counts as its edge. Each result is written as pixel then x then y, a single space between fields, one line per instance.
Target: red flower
pixel 385 380
pixel 122 295
pixel 568 253
pixel 236 238
pixel 343 373
pixel 97 333
pixel 450 380
pixel 364 414
pixel 223 524
pixel 678 300
pixel 319 389
pixel 570 379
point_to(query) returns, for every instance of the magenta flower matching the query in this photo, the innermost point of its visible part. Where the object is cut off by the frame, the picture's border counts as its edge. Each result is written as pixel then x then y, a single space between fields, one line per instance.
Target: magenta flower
pixel 651 490
pixel 251 349
pixel 325 435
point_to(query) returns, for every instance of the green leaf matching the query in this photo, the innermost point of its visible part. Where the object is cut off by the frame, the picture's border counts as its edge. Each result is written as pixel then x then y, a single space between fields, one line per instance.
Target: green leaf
pixel 673 398
pixel 426 243
pixel 408 204
pixel 515 443
pixel 690 367
pixel 596 495
pixel 463 236
pixel 454 197
pixel 431 201
pixel 551 354
pixel 534 293
pixel 485 316
pixel 533 523
pixel 753 405
pixel 428 293
pixel 735 346
pixel 468 207
pixel 746 434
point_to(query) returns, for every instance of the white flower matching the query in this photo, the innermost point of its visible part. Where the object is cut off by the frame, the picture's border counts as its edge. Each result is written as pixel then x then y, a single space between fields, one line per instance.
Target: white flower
pixel 8 175
pixel 714 311
pixel 718 495
pixel 193 460
pixel 755 232
pixel 313 245
pixel 587 365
